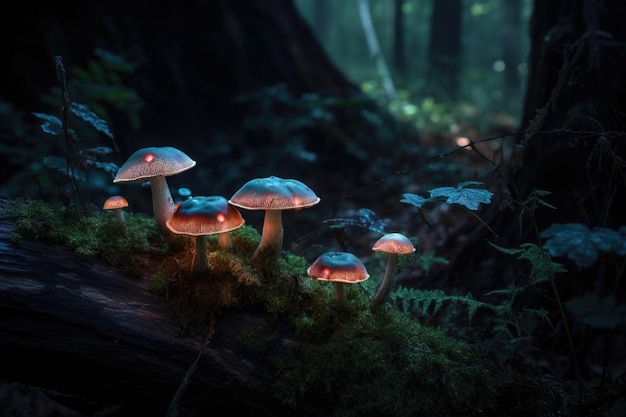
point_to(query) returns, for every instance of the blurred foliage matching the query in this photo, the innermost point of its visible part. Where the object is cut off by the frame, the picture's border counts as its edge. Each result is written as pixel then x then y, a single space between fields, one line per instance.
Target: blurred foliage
pixel 581 244
pixel 100 85
pixel 37 149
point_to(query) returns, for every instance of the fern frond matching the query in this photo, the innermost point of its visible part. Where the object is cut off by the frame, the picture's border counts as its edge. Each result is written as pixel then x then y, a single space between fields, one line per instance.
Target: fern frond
pixel 429 302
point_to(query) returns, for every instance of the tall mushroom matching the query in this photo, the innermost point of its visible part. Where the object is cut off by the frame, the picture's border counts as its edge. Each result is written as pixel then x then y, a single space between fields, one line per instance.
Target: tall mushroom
pixel 203 216
pixel 393 244
pixel 154 164
pixel 340 268
pixel 272 194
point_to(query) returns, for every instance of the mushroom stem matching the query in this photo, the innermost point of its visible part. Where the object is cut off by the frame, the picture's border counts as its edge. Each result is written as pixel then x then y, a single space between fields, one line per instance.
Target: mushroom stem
pixel 163 207
pixel 201 259
pixel 162 202
pixel 271 237
pixel 119 217
pixel 385 286
pixel 340 294
pixel 224 241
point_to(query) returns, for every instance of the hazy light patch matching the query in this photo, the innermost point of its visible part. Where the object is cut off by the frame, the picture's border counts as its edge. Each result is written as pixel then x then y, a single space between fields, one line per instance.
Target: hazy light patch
pixel 499 65
pixel 523 68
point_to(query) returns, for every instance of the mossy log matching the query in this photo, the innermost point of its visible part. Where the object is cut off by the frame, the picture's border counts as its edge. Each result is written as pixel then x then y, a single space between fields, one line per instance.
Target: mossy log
pixel 101 341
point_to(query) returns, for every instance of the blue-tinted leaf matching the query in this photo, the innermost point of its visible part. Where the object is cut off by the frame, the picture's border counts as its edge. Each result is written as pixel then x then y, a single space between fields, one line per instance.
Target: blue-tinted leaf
pixel 51 125
pixel 468 197
pixel 414 199
pixel 563 238
pixel 605 239
pixel 581 244
pixel 109 167
pixel 60 164
pixel 83 111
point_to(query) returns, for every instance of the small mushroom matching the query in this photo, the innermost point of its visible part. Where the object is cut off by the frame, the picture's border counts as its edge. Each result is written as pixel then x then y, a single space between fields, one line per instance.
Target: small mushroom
pixel 202 216
pixel 393 244
pixel 272 194
pixel 117 203
pixel 154 164
pixel 339 268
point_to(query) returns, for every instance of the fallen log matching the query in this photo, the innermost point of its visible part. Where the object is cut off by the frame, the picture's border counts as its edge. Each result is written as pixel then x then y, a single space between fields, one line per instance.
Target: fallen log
pixel 102 341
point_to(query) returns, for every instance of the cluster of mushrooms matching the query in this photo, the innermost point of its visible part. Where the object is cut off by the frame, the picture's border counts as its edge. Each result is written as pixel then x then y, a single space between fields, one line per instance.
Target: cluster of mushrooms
pixel 200 216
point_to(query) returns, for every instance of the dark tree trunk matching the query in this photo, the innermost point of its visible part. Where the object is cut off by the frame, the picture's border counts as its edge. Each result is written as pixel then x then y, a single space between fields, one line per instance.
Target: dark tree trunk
pixel 399 53
pixel 444 49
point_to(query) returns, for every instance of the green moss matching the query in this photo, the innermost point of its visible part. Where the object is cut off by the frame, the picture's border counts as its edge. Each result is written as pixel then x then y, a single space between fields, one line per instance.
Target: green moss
pixel 345 361
pixel 92 235
pixel 383 364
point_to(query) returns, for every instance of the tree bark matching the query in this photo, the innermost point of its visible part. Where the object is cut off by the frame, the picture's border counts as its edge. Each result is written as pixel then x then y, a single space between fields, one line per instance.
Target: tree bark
pixel 444 49
pixel 104 340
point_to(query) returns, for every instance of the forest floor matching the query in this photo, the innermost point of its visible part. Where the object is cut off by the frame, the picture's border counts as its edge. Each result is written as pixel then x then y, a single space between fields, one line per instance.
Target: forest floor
pixel 535 374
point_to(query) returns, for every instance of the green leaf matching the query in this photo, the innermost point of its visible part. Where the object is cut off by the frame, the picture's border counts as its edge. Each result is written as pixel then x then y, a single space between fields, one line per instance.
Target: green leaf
pixel 468 197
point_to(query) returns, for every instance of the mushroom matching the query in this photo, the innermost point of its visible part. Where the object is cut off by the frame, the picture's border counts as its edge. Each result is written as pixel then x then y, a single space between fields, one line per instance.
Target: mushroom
pixel 393 244
pixel 154 164
pixel 339 268
pixel 272 194
pixel 203 216
pixel 117 203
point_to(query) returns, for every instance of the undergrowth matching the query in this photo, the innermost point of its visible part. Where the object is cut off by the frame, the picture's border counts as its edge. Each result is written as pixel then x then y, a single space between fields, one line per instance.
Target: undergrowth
pixel 355 361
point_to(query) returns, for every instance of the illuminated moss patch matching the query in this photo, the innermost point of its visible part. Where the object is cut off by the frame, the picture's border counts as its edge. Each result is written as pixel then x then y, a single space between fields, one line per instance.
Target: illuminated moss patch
pixel 93 235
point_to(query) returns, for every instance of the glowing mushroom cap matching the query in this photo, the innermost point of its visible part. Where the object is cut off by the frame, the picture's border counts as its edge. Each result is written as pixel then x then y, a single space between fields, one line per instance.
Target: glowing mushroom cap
pixel 274 193
pixel 115 202
pixel 338 267
pixel 200 216
pixel 153 162
pixel 394 243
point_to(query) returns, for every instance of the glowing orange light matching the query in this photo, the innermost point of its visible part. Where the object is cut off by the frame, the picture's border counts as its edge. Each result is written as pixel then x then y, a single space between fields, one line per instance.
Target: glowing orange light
pixel 326 273
pixel 462 141
pixel 149 157
pixel 221 218
pixel 296 200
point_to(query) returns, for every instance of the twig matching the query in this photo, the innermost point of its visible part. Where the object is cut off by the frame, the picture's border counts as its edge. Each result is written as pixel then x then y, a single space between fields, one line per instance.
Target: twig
pixel 172 409
pixel 65 120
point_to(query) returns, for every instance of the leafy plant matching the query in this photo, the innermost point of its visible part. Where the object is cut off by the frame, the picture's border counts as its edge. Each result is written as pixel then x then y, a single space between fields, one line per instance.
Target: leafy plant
pixel 471 198
pixel 77 169
pixel 100 85
pixel 581 244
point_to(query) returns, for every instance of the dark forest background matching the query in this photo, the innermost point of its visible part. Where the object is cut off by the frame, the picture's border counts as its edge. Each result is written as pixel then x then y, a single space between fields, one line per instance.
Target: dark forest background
pixel 527 98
